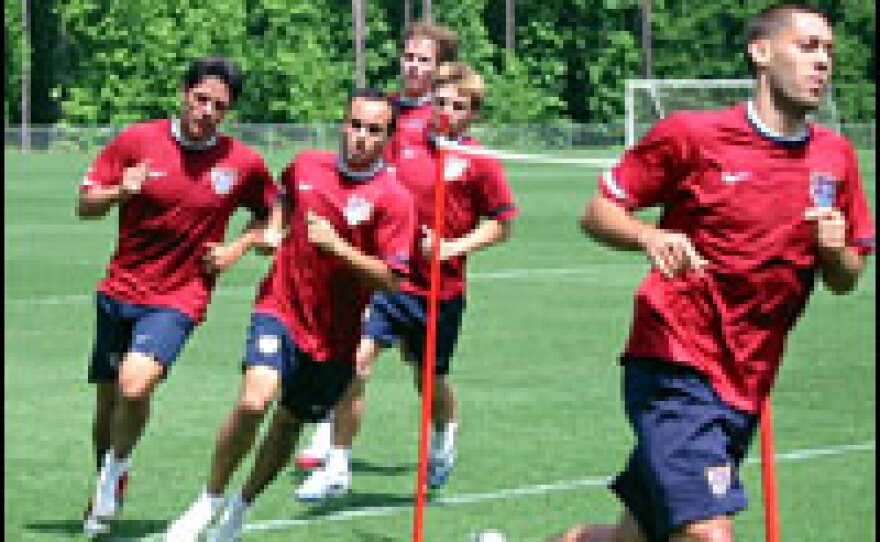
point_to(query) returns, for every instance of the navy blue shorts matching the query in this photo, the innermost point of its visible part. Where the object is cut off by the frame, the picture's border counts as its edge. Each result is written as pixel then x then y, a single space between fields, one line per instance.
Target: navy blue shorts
pixel 689 448
pixel 158 332
pixel 402 317
pixel 309 389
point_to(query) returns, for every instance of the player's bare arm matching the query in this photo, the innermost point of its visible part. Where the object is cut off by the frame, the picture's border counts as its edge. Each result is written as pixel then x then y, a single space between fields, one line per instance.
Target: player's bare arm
pixel 275 229
pixel 219 257
pixel 97 202
pixel 671 253
pixel 487 233
pixel 322 234
pixel 840 265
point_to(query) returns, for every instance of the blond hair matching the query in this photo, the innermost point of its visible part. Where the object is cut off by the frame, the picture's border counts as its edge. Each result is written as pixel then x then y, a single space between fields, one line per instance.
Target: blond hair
pixel 444 38
pixel 464 78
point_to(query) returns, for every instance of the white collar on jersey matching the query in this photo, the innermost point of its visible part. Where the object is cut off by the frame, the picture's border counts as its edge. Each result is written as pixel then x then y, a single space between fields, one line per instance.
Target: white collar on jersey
pixel 359 176
pixel 766 131
pixel 187 143
pixel 406 101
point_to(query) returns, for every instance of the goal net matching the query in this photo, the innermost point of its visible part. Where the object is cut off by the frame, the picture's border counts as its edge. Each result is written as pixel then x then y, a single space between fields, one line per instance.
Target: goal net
pixel 649 100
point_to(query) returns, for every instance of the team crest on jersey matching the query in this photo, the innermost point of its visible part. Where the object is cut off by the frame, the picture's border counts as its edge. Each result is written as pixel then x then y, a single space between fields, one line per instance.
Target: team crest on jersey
pixel 719 479
pixel 415 124
pixel 357 210
pixel 454 167
pixel 222 180
pixel 823 189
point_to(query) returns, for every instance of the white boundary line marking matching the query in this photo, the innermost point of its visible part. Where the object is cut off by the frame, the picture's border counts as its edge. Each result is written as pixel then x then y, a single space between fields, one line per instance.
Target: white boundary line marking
pixel 803 454
pixel 500 274
pixel 600 163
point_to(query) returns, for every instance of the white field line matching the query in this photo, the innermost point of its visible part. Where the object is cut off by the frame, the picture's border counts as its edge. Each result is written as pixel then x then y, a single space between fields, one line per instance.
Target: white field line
pixel 235 291
pixel 804 454
pixel 601 163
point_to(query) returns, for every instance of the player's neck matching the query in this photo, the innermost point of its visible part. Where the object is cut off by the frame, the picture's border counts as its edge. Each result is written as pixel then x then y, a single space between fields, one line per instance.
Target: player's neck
pixel 771 114
pixel 359 171
pixel 185 139
pixel 415 97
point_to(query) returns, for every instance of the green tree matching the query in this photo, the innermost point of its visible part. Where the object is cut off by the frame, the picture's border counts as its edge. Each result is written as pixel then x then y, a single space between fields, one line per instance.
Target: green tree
pixel 15 54
pixel 129 56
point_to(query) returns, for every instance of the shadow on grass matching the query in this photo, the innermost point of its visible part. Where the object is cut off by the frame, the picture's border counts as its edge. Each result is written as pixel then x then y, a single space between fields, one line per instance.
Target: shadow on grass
pixel 120 527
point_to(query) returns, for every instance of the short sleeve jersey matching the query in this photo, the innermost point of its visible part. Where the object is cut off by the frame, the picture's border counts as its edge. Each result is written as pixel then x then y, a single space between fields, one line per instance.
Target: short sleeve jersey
pixel 413 122
pixel 739 194
pixel 317 296
pixel 185 203
pixel 476 188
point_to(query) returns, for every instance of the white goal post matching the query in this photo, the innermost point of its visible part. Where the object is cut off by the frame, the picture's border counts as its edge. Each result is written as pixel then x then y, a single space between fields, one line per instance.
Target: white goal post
pixel 649 100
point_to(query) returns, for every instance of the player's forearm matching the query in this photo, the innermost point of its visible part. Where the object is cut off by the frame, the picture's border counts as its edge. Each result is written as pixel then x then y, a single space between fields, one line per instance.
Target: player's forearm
pixel 840 269
pixel 489 232
pixel 373 270
pixel 272 234
pixel 97 202
pixel 610 224
pixel 250 237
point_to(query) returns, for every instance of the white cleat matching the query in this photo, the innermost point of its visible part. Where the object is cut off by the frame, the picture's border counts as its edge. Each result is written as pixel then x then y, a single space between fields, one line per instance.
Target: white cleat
pixel 440 466
pixel 93 527
pixel 315 454
pixel 324 484
pixel 192 523
pixel 107 500
pixel 231 523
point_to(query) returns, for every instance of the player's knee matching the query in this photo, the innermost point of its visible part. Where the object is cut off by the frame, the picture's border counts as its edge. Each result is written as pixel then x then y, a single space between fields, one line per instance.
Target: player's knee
pixel 135 387
pixel 712 530
pixel 254 403
pixel 138 377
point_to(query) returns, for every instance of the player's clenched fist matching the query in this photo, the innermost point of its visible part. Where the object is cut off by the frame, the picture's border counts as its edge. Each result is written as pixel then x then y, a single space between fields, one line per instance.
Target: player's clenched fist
pixel 672 253
pixel 322 233
pixel 220 257
pixel 830 227
pixel 448 249
pixel 133 178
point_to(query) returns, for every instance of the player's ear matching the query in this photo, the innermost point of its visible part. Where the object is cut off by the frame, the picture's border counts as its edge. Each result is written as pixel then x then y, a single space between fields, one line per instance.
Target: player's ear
pixel 759 51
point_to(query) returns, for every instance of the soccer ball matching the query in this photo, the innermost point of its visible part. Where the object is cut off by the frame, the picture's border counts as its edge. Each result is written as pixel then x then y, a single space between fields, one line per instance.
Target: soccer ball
pixel 490 535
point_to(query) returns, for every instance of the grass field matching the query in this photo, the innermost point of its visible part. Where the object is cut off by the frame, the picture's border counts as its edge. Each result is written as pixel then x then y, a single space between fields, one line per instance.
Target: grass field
pixel 541 419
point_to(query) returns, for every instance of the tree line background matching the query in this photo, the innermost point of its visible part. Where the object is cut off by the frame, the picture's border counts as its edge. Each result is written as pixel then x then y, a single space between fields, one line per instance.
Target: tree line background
pixel 113 62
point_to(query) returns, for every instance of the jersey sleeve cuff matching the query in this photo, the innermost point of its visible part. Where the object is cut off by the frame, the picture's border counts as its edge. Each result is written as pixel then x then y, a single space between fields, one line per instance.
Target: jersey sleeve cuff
pixel 504 212
pixel 399 265
pixel 865 245
pixel 612 190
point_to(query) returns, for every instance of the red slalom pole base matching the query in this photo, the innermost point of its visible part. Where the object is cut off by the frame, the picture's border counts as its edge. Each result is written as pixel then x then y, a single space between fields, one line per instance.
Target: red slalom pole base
pixel 768 475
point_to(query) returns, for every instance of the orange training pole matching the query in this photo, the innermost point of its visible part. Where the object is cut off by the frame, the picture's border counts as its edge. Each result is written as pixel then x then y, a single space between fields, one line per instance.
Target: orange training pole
pixel 431 339
pixel 768 475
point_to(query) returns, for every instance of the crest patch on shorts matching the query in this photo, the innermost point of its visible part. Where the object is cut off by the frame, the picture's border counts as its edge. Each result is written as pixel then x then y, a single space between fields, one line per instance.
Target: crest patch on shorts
pixel 719 479
pixel 268 344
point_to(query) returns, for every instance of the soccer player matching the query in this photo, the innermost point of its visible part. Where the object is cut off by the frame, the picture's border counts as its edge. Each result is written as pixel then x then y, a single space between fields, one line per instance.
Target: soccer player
pixel 757 203
pixel 425 46
pixel 479 211
pixel 350 232
pixel 176 183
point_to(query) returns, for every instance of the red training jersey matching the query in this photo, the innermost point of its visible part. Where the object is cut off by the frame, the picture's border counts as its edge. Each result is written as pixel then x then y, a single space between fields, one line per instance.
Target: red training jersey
pixel 476 188
pixel 185 203
pixel 739 194
pixel 413 123
pixel 318 297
